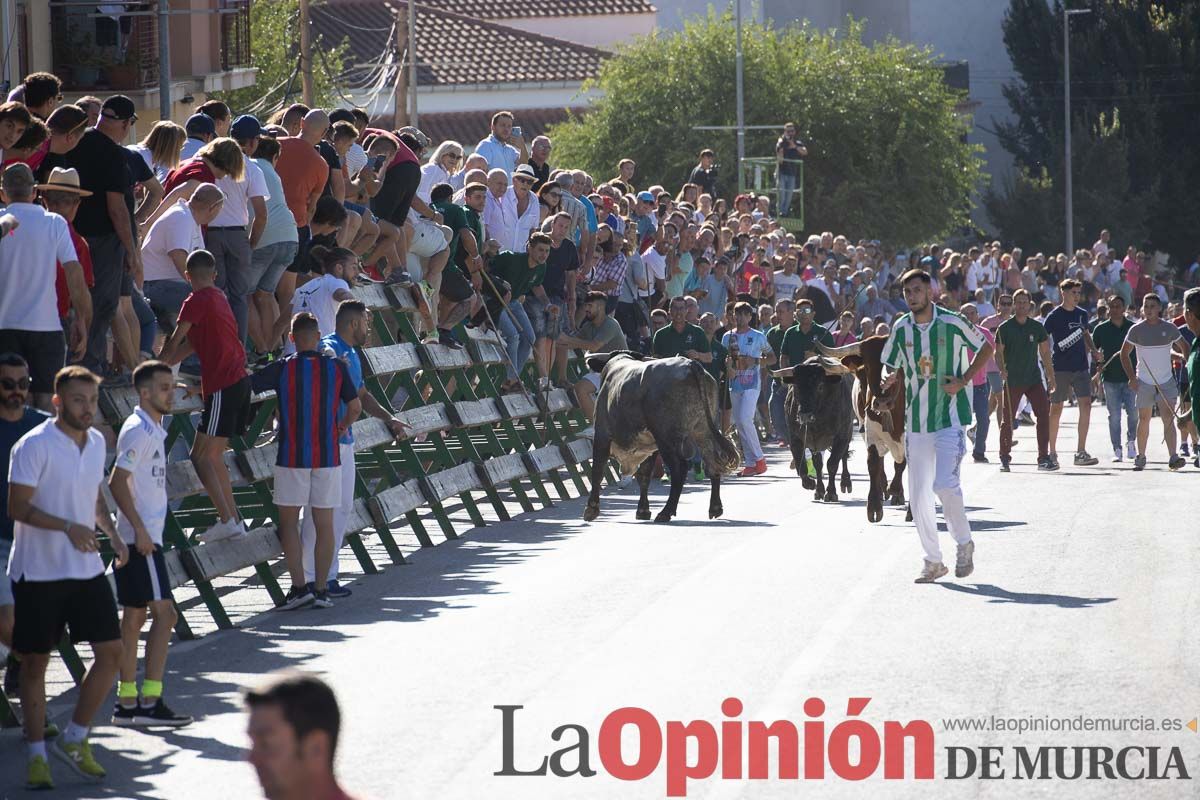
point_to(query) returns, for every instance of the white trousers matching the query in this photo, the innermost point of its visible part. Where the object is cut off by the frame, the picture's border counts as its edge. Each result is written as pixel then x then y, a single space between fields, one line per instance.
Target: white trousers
pixel 308 530
pixel 744 405
pixel 933 473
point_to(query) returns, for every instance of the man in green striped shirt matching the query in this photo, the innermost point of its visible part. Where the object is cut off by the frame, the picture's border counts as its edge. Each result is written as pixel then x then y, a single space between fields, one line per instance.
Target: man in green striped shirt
pixel 928 349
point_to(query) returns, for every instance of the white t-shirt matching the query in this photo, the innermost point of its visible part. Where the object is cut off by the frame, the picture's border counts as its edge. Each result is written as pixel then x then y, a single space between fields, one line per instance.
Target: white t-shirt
pixel 317 298
pixel 140 453
pixel 236 209
pixel 159 171
pixel 29 259
pixel 65 482
pixel 656 266
pixel 176 229
pixel 1153 343
pixel 819 283
pixel 786 285
pixel 355 159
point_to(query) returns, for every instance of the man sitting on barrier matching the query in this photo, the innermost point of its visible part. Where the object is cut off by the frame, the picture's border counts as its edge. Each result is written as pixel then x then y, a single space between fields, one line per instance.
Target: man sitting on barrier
pixel 598 333
pixel 460 278
pixel 524 273
pixel 139 486
pixel 311 387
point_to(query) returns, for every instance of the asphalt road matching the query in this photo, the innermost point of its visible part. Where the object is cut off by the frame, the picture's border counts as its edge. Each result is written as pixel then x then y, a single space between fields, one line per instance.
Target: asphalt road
pixel 1083 604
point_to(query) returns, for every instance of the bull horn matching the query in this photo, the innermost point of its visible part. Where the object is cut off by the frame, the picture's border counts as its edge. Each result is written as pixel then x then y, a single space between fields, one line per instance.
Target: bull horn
pixel 851 349
pixel 781 373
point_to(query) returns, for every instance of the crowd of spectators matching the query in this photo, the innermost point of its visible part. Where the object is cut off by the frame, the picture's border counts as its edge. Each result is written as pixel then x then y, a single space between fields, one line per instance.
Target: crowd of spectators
pixel 224 252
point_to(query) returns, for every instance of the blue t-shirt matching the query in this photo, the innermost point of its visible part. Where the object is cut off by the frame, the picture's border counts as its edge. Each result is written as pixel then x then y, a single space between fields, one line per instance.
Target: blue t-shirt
pixel 281 224
pixel 340 349
pixel 1067 330
pixel 10 432
pixel 751 344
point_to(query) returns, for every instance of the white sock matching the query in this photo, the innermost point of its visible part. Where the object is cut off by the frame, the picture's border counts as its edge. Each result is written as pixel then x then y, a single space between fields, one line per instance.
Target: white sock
pixel 37 749
pixel 74 734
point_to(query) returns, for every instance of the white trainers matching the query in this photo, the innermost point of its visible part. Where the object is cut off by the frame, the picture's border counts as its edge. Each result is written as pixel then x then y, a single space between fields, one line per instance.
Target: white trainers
pixel 965 563
pixel 1118 456
pixel 933 570
pixel 1131 449
pixel 222 530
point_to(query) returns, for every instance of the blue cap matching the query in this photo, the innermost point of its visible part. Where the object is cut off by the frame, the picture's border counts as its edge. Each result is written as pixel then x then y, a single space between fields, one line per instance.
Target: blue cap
pixel 245 128
pixel 645 197
pixel 200 123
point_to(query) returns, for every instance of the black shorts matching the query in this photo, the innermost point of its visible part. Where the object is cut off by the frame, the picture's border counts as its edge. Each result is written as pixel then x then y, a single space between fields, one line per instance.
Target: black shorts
pixel 227 412
pixel 46 352
pixel 44 609
pixel 143 580
pixel 299 265
pixel 456 287
pixel 400 184
pixel 126 284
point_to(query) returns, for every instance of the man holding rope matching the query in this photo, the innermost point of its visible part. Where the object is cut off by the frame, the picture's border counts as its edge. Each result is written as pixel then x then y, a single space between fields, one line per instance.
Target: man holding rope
pixel 1152 383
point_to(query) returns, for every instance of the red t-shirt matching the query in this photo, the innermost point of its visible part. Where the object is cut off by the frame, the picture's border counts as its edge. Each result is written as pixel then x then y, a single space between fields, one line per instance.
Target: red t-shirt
pixel 84 254
pixel 403 152
pixel 214 337
pixel 195 169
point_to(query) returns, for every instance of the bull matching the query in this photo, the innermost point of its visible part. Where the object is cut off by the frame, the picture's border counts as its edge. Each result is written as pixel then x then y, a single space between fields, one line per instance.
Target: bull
pixel 666 406
pixel 819 418
pixel 881 414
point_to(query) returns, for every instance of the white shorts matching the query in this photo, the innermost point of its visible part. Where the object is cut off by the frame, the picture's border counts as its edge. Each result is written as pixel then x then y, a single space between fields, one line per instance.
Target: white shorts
pixel 317 488
pixel 428 239
pixel 593 378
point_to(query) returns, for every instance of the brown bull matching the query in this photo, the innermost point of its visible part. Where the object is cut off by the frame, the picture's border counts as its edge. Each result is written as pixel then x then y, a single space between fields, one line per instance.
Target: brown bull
pixel 882 416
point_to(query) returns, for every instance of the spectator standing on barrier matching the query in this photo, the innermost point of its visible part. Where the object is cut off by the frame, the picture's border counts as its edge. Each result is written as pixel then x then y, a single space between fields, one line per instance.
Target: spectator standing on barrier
pixel 56 569
pixel 310 386
pixel 335 267
pixel 598 333
pixel 303 174
pixel 139 486
pixel 1152 384
pixel 30 325
pixel 523 272
pixel 353 328
pixel 1071 343
pixel 748 351
pixel 173 236
pixel 275 251
pixel 1109 338
pixel 16 419
pixel 562 268
pixel 462 276
pixel 925 347
pixel 104 219
pixel 206 327
pixel 500 148
pixel 1020 343
pixel 294 726
pixel 67 125
pixel 788 150
pixel 200 130
pixel 539 158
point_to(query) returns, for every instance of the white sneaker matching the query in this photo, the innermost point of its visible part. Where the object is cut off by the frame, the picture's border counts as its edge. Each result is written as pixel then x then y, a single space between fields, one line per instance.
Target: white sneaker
pixel 1118 456
pixel 932 571
pixel 1131 449
pixel 222 530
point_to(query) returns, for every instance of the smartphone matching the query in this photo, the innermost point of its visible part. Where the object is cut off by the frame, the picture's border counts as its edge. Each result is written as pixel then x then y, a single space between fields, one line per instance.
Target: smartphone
pixel 377 164
pixel 517 132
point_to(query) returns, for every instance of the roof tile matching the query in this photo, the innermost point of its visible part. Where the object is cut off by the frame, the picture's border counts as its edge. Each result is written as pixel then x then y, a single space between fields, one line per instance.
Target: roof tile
pixel 527 9
pixel 469 127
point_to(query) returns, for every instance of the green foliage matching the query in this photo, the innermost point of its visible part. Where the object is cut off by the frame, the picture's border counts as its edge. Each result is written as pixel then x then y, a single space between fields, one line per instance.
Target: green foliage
pixel 886 157
pixel 274 50
pixel 1135 92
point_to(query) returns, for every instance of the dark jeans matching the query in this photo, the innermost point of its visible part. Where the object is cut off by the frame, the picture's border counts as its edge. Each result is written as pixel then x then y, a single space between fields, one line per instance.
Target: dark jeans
pixel 108 269
pixel 147 324
pixel 1041 410
pixel 778 412
pixel 983 420
pixel 231 249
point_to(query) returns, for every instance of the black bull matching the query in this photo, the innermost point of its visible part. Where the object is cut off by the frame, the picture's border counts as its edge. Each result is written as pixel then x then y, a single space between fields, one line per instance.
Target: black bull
pixel 820 417
pixel 666 406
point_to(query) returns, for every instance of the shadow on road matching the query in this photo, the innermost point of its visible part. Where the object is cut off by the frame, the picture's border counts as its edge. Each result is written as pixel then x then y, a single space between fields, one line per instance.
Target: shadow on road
pixel 998 595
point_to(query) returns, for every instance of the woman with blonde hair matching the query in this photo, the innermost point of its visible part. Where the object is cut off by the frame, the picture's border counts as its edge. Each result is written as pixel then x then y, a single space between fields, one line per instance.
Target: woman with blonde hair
pixel 445 162
pixel 161 148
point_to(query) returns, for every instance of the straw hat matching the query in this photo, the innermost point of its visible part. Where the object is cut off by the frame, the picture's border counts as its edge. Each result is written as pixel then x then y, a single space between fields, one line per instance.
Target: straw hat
pixel 63 180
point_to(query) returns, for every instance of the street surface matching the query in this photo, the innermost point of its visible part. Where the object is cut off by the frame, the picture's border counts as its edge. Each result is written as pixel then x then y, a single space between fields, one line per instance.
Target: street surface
pixel 1084 601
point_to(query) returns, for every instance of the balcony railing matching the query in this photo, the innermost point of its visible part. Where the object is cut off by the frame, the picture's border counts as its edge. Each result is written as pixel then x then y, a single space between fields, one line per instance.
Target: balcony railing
pixel 235 34
pixel 95 50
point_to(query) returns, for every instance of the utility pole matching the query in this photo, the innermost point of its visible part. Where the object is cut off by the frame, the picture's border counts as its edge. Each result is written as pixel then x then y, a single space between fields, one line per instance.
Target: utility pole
pixel 306 75
pixel 741 117
pixel 412 63
pixel 400 96
pixel 1070 199
pixel 164 60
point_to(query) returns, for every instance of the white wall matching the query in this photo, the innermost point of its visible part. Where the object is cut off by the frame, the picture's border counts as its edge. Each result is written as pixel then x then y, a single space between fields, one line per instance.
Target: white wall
pixel 430 100
pixel 602 31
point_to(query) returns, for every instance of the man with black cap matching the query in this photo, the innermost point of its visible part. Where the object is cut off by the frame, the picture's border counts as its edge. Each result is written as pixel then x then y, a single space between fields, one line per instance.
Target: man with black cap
pixel 103 217
pixel 201 129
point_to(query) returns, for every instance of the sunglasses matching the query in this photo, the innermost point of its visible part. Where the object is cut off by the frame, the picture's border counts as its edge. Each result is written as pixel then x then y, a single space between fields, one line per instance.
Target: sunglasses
pixel 130 120
pixel 8 384
pixel 522 179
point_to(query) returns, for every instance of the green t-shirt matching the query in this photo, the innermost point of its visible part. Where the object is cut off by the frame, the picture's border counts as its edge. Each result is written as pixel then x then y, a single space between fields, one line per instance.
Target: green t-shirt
pixel 717 367
pixel 670 342
pixel 775 338
pixel 1193 370
pixel 1109 339
pixel 514 268
pixel 456 218
pixel 1020 343
pixel 795 342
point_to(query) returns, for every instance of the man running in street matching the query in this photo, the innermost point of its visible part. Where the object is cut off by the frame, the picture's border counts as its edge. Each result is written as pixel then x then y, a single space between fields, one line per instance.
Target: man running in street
pixel 926 347
pixel 1020 342
pixel 1071 340
pixel 1152 384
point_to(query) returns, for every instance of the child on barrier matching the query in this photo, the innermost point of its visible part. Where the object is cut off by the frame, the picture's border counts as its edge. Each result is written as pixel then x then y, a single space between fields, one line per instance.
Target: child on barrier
pixel 207 327
pixel 139 486
pixel 310 387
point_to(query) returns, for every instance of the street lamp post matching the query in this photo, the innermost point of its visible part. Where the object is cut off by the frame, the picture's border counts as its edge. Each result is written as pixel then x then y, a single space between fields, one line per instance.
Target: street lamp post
pixel 741 117
pixel 1070 202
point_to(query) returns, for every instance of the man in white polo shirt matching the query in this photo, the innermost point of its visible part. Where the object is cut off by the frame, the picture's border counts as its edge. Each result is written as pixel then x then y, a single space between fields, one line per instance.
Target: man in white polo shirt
pixel 172 237
pixel 139 487
pixel 29 258
pixel 58 576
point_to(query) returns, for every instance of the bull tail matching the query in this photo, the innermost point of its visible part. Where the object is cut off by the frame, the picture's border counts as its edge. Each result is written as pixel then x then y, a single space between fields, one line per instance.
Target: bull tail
pixel 726 454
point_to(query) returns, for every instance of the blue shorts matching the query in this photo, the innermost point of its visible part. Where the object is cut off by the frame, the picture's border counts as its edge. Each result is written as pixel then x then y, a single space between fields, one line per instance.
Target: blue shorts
pixel 6 595
pixel 362 211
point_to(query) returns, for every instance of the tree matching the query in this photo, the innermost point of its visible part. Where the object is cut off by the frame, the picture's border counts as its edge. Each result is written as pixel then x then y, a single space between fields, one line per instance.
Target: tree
pixel 1135 93
pixel 886 150
pixel 274 51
